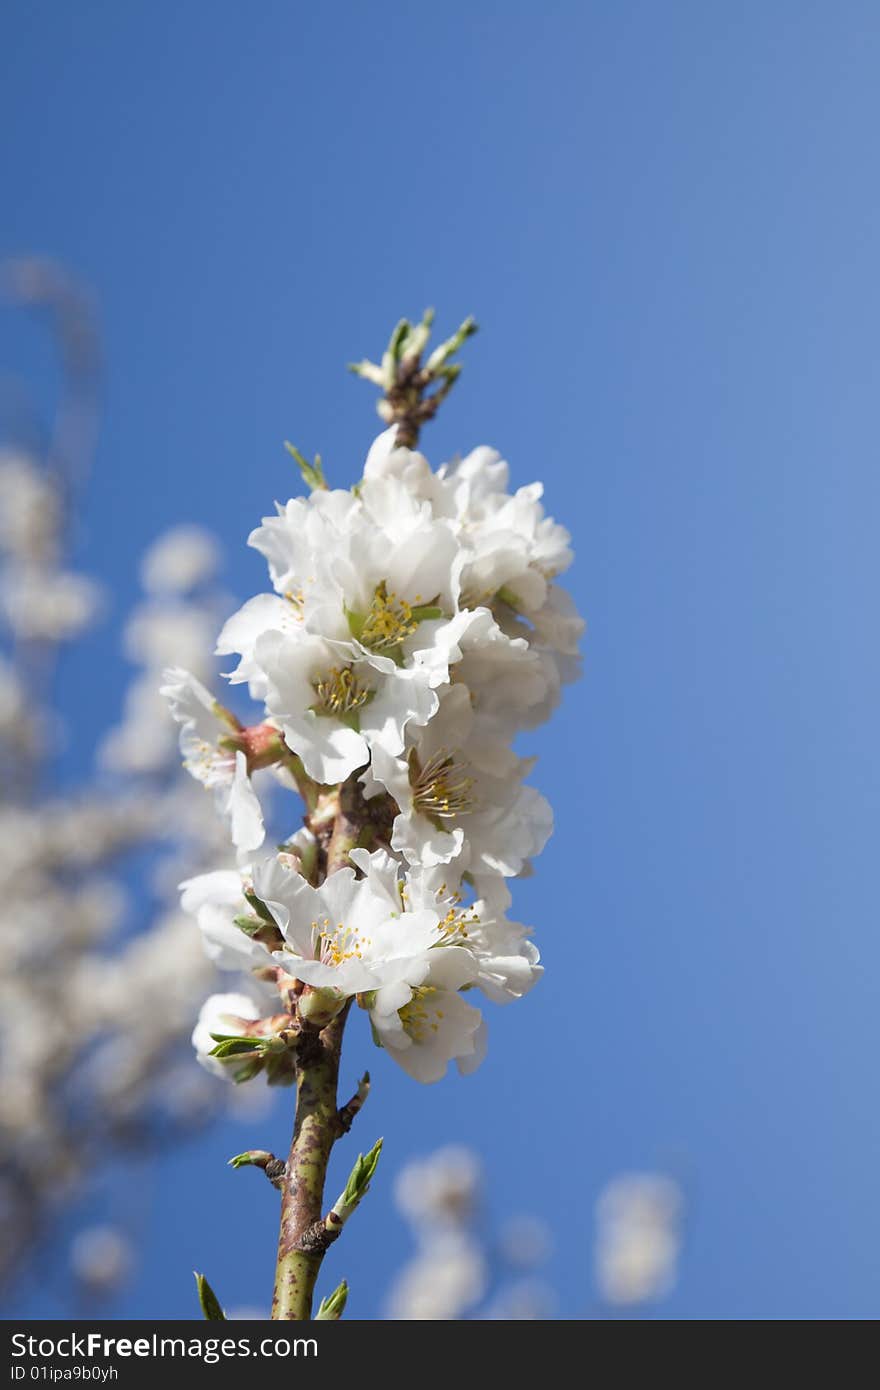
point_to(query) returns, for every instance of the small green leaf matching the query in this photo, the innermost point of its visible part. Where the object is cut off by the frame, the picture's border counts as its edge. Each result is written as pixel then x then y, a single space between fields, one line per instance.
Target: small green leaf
pixel 211 1309
pixel 247 1070
pixel 235 1047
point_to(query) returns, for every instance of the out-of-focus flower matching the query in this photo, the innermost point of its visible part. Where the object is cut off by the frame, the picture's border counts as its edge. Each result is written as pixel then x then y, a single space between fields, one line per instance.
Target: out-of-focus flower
pixel 47 605
pixel 441 1189
pixel 99 988
pixel 31 512
pixel 525 1241
pixel 446 1279
pixel 638 1240
pixel 525 1300
pixel 180 560
pixel 460 1269
pixel 101 1258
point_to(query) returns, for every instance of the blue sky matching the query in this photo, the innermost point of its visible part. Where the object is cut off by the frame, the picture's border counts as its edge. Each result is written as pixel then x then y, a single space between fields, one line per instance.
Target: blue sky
pixel 665 218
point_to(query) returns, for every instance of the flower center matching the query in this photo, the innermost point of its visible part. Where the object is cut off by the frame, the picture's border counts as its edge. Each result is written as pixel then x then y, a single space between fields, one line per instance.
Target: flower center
pixel 340 693
pixel 442 787
pixel 454 926
pixel 335 945
pixel 420 1016
pixel 389 622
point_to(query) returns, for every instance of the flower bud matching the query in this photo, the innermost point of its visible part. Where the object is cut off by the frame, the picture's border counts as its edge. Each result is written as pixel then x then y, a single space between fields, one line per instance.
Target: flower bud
pixel 319 1006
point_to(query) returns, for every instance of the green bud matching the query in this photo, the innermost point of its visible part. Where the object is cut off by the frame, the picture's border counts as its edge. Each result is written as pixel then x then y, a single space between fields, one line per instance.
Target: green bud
pixel 358 1182
pixel 312 473
pixel 332 1307
pixel 369 371
pixel 257 1158
pixel 442 353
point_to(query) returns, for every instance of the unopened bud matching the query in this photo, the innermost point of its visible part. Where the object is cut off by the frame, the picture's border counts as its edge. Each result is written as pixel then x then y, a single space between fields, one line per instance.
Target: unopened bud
pixel 320 1005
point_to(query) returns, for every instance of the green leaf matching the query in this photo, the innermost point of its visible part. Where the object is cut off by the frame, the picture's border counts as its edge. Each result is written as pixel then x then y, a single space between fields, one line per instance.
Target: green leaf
pixel 246 1071
pixel 330 1309
pixel 234 1047
pixel 211 1309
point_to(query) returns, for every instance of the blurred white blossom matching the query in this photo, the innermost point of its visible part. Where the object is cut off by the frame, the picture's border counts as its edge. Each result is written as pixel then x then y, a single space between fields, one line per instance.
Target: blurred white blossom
pixel 101 1258
pixel 444 1281
pixel 180 560
pixel 459 1268
pixel 440 1189
pixel 639 1237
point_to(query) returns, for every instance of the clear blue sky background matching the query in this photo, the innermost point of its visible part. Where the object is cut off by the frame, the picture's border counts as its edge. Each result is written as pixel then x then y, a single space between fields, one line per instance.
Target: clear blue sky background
pixel 667 219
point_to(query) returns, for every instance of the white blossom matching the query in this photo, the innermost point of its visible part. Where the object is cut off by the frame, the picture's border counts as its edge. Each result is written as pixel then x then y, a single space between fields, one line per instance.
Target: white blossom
pixel 202 726
pixel 456 788
pixel 228 1014
pixel 333 703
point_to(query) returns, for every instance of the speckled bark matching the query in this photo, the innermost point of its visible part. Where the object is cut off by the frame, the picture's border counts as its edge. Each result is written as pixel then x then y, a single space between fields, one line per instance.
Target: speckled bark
pixel 315 1131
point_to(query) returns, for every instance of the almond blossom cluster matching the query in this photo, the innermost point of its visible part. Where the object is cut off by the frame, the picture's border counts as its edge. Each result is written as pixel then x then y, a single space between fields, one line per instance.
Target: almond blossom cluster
pixel 414 628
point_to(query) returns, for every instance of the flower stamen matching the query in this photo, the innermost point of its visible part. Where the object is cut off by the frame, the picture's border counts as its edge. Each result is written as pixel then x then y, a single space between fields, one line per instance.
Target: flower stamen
pixel 389 622
pixel 442 787
pixel 340 693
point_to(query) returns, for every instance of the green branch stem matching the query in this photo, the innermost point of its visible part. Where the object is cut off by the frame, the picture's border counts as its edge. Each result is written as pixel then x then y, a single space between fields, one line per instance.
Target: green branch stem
pixel 316 1129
